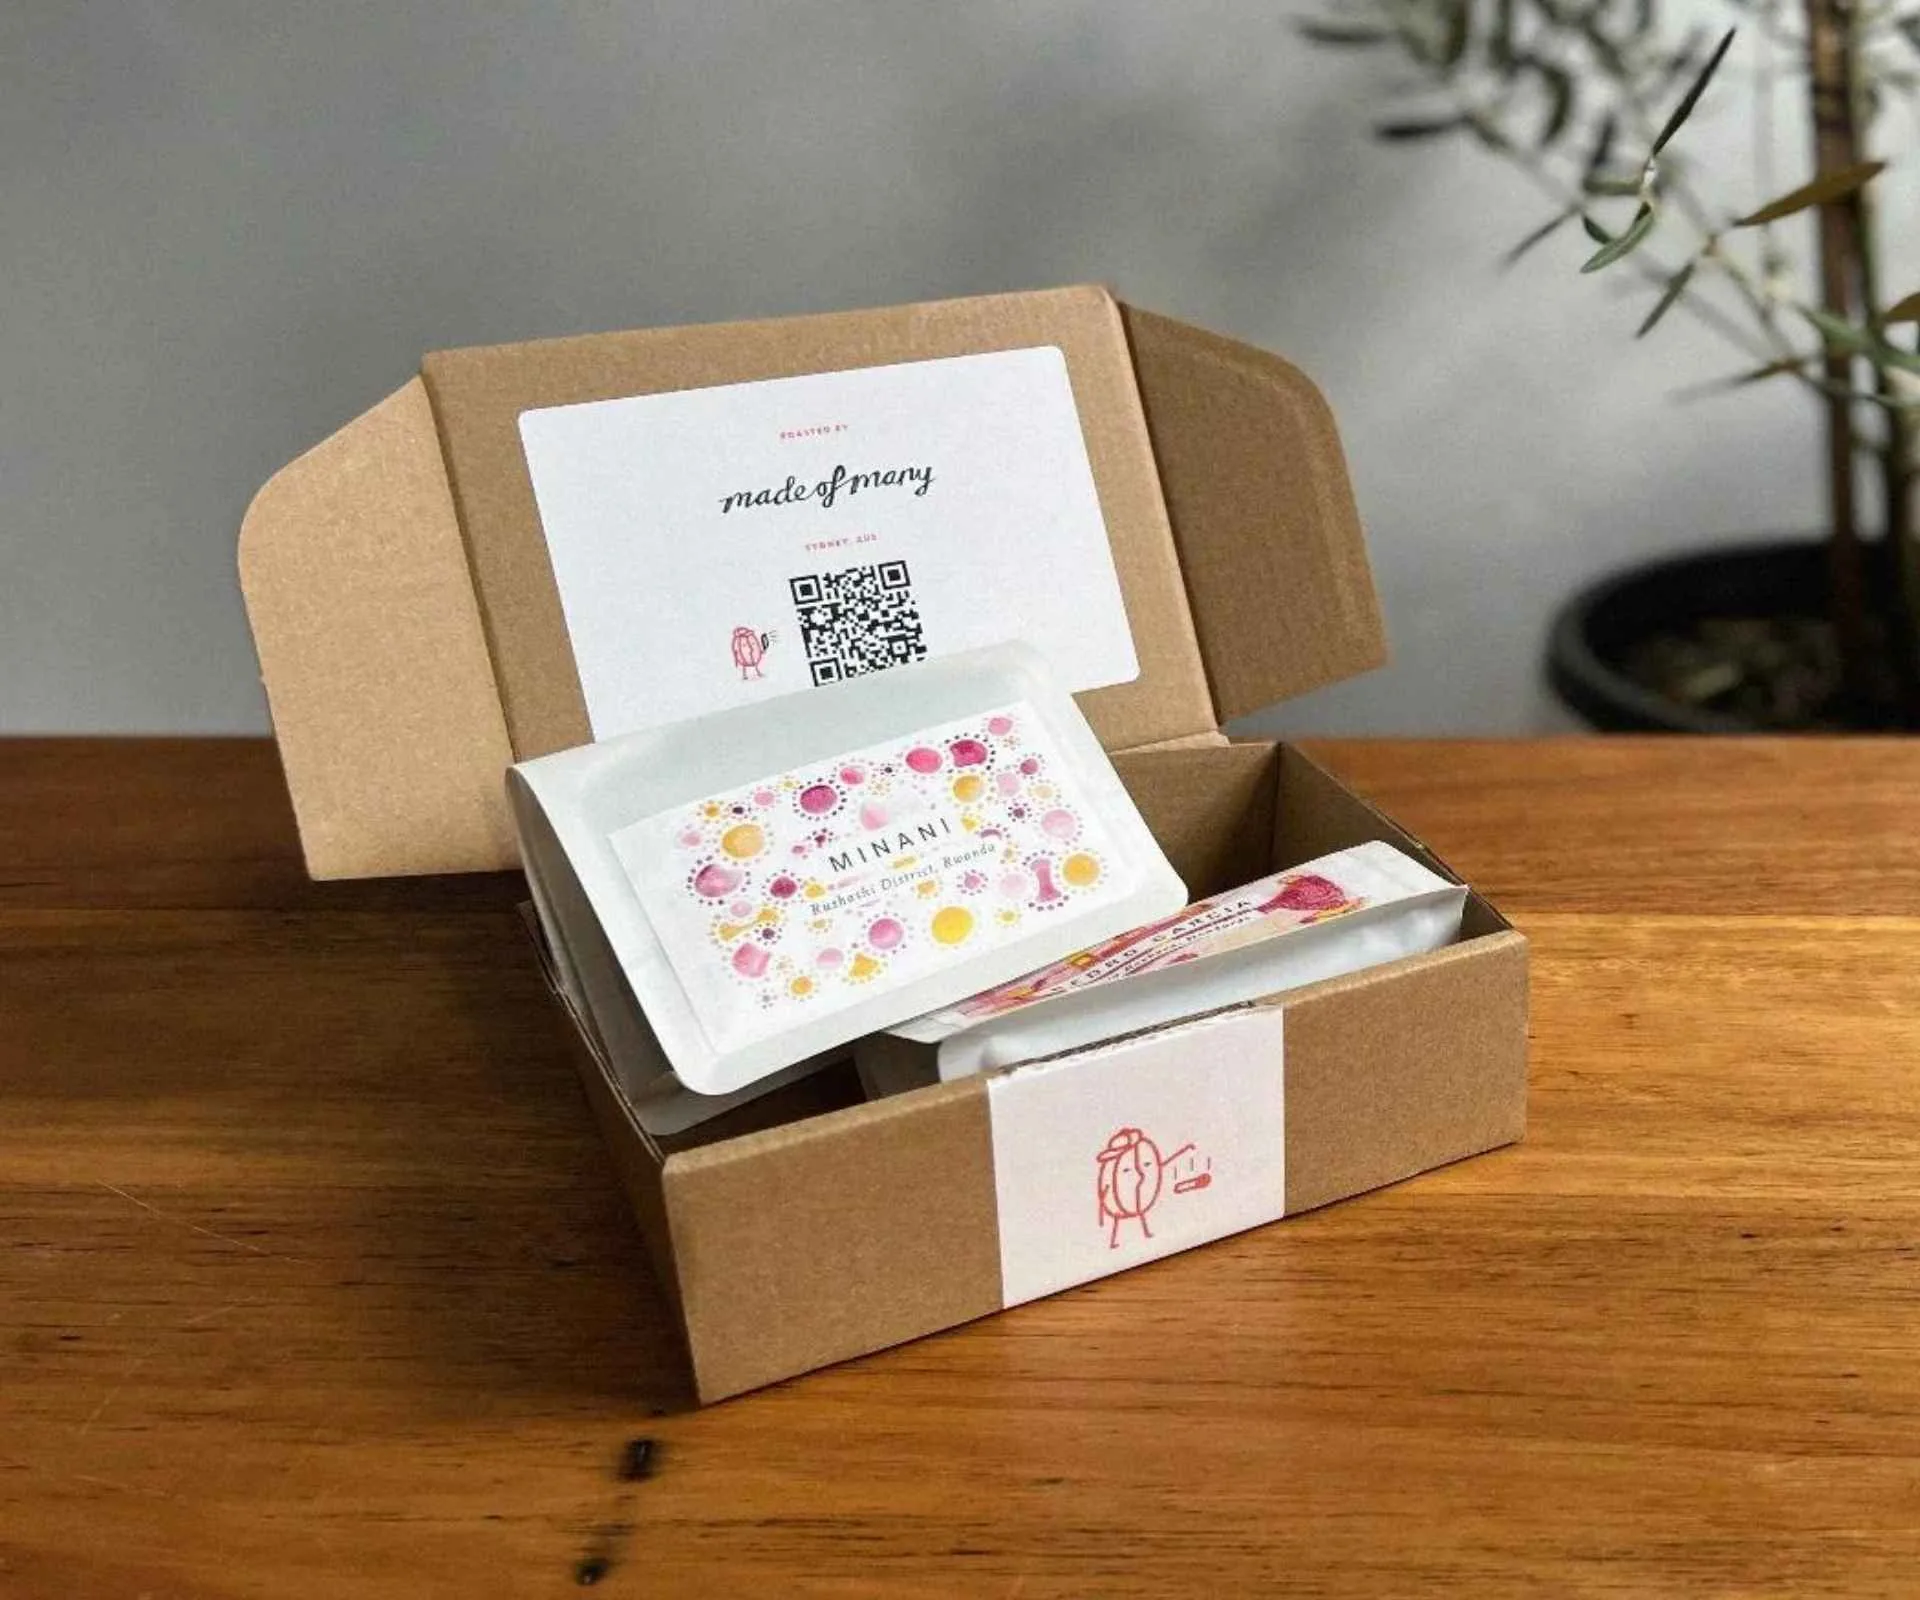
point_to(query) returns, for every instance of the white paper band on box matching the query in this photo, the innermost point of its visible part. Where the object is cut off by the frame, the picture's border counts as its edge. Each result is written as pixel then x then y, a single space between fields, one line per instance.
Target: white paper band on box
pixel 1119 1155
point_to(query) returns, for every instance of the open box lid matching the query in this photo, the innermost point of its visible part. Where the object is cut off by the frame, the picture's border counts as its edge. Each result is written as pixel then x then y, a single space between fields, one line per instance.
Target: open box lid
pixel 409 626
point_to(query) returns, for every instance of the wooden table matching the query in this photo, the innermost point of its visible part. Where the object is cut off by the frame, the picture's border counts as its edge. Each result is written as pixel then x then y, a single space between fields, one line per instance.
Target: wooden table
pixel 313 1279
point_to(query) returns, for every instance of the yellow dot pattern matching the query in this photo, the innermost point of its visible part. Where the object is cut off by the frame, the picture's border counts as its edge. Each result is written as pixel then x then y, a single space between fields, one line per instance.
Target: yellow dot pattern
pixel 952 925
pixel 1080 870
pixel 744 841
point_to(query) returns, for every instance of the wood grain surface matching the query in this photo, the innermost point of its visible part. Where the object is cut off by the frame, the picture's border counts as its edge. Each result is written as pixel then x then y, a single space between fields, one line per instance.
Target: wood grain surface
pixel 314 1281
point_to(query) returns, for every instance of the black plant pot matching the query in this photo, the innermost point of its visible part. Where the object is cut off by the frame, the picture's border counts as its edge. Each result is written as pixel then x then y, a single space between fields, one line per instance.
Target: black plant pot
pixel 1600 627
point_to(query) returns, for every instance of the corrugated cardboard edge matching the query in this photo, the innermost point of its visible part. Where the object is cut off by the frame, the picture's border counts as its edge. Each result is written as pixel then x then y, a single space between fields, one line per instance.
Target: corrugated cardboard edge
pixel 1256 487
pixel 377 674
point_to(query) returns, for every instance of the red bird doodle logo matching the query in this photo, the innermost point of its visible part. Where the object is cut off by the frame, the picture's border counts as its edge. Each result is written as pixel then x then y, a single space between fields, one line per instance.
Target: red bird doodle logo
pixel 1133 1175
pixel 749 650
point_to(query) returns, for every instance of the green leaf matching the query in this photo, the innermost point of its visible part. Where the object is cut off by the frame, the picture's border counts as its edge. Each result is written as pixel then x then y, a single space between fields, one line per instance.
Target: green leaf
pixel 1419 127
pixel 1740 380
pixel 1500 38
pixel 1773 369
pixel 1411 29
pixel 1680 62
pixel 1545 231
pixel 1487 131
pixel 1828 187
pixel 1617 186
pixel 1602 151
pixel 1676 286
pixel 1605 50
pixel 1453 34
pixel 1837 330
pixel 1907 310
pixel 1628 240
pixel 1350 34
pixel 1692 97
pixel 1841 334
pixel 1558 83
pixel 1595 232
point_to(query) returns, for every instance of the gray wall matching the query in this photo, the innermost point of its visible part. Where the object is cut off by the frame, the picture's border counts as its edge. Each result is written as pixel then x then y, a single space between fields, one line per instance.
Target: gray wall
pixel 225 228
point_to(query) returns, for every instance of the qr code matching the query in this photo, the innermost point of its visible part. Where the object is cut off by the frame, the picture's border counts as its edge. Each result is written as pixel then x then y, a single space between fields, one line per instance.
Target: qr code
pixel 859 620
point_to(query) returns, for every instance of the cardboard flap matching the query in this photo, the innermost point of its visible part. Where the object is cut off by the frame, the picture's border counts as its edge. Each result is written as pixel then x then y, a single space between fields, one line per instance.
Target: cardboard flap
pixel 1256 485
pixel 409 628
pixel 376 671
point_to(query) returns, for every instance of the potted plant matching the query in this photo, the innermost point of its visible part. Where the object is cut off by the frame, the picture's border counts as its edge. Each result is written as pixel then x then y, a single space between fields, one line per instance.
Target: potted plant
pixel 1586 98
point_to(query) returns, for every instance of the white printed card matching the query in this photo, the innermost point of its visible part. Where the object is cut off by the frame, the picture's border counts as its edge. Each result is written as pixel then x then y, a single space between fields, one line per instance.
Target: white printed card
pixel 714 547
pixel 798 895
pixel 1138 1149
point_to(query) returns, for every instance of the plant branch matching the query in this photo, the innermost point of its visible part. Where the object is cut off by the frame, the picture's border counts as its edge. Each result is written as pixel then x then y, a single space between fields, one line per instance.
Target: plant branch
pixel 1830 65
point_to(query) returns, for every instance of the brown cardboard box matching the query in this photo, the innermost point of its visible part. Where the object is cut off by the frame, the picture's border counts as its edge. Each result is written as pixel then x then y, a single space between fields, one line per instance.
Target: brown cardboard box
pixel 412 645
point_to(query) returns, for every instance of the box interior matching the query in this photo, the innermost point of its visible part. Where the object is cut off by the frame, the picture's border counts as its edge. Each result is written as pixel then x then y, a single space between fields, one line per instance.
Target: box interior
pixel 1225 815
